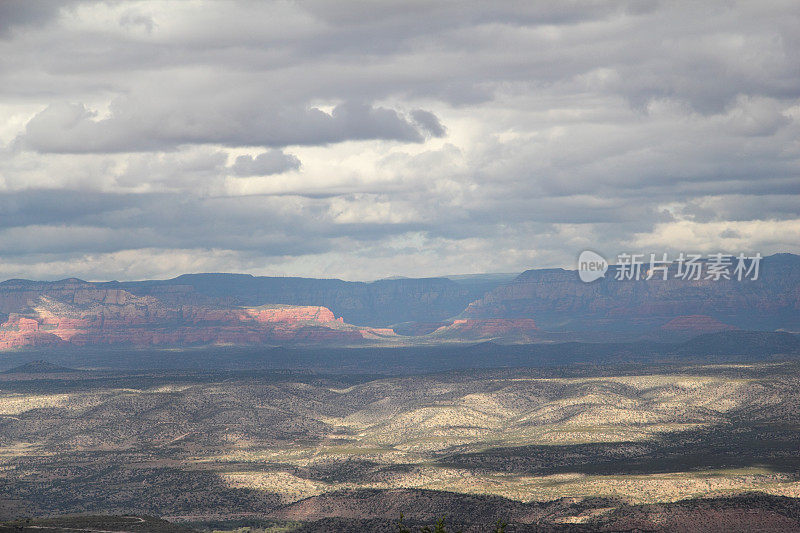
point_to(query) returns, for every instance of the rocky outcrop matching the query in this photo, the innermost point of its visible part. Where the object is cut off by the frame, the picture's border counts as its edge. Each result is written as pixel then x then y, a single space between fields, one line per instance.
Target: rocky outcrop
pixel 414 329
pixel 377 304
pixel 517 330
pixel 19 339
pixel 221 308
pixel 76 313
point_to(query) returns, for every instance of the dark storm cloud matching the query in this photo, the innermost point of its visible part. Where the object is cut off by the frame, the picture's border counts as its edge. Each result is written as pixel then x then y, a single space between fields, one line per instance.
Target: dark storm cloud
pixel 20 13
pixel 269 162
pixel 99 223
pixel 429 122
pixel 140 126
pixel 47 206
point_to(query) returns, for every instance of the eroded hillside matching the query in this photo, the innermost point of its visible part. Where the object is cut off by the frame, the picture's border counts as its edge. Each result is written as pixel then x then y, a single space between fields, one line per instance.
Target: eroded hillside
pixel 269 444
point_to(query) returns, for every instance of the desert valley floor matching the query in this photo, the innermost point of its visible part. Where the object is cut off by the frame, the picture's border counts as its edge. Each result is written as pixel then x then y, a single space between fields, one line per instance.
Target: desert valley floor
pixel 613 446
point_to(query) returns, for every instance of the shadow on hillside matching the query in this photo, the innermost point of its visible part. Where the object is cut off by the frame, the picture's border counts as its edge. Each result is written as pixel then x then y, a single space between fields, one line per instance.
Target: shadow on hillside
pixel 121 483
pixel 773 447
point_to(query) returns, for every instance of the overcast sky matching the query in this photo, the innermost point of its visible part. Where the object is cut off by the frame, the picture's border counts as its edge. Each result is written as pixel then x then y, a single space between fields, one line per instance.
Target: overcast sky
pixel 363 140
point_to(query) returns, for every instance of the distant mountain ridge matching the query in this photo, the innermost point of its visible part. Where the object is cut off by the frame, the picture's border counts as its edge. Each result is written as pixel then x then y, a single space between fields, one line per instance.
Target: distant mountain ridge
pixel 378 303
pixel 542 305
pixel 559 301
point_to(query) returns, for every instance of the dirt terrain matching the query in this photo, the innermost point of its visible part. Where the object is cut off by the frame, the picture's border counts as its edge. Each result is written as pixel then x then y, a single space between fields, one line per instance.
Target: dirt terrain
pixel 529 446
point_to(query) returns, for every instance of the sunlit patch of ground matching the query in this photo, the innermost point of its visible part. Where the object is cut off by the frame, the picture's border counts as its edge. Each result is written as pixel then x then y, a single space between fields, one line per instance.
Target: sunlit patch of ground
pixel 20 449
pixel 609 409
pixel 290 487
pixel 630 488
pixel 168 389
pixel 15 404
pixel 586 516
pixel 634 489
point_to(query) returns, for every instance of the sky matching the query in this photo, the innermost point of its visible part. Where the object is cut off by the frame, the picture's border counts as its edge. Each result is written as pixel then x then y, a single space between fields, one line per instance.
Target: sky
pixel 361 140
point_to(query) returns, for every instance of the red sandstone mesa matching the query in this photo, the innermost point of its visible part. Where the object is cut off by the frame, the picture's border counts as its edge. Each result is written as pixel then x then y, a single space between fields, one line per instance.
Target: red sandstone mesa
pixel 84 316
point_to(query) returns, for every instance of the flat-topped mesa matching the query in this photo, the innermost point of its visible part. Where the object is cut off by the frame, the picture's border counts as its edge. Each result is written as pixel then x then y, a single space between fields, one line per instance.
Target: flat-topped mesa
pixel 696 324
pixel 559 301
pixel 17 293
pixel 118 317
pixel 378 303
pixel 292 313
pixel 104 296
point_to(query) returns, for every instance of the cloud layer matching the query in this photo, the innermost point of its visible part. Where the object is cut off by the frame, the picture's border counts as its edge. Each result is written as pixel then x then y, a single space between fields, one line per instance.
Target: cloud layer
pixel 143 139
